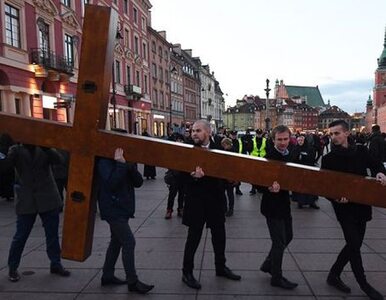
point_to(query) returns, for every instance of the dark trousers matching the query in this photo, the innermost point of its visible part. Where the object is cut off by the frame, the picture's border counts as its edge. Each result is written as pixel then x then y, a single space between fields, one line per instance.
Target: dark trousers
pixel 121 238
pixel 281 234
pixel 230 196
pixel 173 190
pixel 193 240
pixel 354 233
pixel 24 225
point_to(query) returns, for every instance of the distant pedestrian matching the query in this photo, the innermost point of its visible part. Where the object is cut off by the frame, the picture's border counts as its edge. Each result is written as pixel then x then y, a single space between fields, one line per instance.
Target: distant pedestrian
pixel 148 170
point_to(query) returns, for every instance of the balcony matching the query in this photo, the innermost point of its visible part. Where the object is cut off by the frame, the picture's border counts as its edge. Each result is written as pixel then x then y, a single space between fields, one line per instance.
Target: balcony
pixel 51 62
pixel 133 92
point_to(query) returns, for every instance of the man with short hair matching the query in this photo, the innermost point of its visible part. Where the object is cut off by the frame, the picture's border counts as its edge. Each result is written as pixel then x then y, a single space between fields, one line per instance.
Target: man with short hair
pixel 377 144
pixel 204 204
pixel 352 217
pixel 275 206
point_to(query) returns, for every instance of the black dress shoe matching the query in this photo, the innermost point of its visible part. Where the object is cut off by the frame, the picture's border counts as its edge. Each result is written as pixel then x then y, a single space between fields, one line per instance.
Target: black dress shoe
pixel 59 270
pixel 190 281
pixel 336 282
pixel 140 287
pixel 266 267
pixel 229 213
pixel 371 292
pixel 252 192
pixel 238 192
pixel 13 276
pixel 112 281
pixel 283 283
pixel 314 206
pixel 227 273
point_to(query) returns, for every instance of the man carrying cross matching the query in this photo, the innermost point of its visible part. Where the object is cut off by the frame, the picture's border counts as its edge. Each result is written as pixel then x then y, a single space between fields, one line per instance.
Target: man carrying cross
pixel 204 204
pixel 36 193
pixel 352 217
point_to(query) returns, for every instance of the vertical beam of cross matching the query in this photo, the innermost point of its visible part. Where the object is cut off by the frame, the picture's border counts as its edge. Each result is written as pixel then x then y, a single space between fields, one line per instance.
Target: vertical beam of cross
pixel 98 39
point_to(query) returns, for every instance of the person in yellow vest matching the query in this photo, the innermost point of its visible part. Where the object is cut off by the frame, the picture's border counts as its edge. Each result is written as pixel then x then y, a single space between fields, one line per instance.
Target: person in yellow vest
pixel 259 150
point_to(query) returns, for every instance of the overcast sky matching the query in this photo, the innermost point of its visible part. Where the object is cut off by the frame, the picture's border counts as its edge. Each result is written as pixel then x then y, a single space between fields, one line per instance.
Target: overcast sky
pixel 330 43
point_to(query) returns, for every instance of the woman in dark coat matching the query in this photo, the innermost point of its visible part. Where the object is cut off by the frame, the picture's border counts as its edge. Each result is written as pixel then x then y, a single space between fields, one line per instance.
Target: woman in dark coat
pixel 7 179
pixel 148 171
pixel 305 155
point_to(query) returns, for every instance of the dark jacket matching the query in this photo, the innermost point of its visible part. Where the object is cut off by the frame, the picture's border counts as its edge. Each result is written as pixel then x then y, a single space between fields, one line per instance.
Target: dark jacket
pixel 116 183
pixel 303 155
pixel 276 205
pixel 35 187
pixel 355 160
pixel 377 147
pixel 204 200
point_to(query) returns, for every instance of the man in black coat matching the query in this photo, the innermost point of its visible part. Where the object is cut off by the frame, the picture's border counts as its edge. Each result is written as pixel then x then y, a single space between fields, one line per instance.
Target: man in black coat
pixel 352 217
pixel 275 206
pixel 377 144
pixel 35 194
pixel 204 204
pixel 116 199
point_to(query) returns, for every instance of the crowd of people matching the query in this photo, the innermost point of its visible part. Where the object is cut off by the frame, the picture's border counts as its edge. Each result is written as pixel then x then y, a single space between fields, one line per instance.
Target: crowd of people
pixel 202 200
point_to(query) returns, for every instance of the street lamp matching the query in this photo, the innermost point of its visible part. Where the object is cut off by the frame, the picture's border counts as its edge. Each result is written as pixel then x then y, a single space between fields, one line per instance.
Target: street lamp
pixel 172 71
pixel 267 120
pixel 118 36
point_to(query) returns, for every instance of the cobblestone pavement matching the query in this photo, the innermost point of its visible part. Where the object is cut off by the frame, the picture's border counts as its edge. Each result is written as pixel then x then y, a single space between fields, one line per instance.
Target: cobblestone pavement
pixel 159 250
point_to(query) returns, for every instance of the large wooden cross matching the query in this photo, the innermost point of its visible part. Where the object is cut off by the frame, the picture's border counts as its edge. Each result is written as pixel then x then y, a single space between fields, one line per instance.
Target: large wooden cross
pixel 87 138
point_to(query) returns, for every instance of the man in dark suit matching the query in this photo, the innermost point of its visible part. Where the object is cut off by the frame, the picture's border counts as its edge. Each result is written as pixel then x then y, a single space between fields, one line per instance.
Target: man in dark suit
pixel 35 193
pixel 275 206
pixel 352 217
pixel 116 198
pixel 204 204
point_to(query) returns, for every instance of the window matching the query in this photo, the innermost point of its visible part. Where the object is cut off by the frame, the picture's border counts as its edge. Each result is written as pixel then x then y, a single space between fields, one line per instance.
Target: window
pixel 125 6
pixel 137 75
pixel 117 71
pixel 135 15
pixel 127 38
pixel 128 74
pixel 143 24
pixel 145 83
pixel 12 26
pixel 66 3
pixel 136 50
pixel 144 51
pixel 155 97
pixel 44 38
pixel 161 99
pixel 154 70
pixel 17 106
pixel 69 49
pixel 161 74
pixel 153 47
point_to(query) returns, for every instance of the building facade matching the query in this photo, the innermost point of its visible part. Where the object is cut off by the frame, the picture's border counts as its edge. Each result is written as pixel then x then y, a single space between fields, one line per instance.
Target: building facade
pixel 161 109
pixel 177 115
pixel 377 113
pixel 39 57
pixel 332 114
